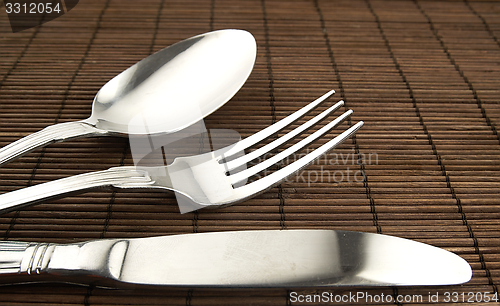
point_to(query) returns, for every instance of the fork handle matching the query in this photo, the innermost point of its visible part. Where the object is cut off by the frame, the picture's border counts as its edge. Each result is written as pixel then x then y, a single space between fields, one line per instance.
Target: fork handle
pixel 51 134
pixel 120 177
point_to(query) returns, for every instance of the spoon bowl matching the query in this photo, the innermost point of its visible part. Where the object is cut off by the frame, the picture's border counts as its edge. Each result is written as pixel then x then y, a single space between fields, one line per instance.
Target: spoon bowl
pixel 161 94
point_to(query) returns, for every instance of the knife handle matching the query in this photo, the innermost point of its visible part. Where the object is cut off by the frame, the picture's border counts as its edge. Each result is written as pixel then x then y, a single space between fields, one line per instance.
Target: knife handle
pixel 24 257
pixel 93 262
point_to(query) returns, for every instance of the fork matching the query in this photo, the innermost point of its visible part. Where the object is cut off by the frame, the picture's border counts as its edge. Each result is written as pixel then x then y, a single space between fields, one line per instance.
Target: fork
pixel 208 179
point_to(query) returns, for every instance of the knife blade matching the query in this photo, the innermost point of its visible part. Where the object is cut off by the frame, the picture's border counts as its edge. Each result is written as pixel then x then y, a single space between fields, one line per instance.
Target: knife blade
pixel 268 258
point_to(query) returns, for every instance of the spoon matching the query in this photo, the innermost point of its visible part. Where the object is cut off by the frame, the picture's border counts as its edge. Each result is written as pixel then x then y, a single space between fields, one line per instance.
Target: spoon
pixel 162 94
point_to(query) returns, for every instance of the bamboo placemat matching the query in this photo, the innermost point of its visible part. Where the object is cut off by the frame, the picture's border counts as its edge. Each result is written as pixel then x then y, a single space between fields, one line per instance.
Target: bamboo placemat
pixel 423 75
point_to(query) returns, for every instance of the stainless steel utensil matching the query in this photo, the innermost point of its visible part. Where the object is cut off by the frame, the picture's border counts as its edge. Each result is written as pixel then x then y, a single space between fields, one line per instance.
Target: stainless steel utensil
pixel 276 258
pixel 171 89
pixel 207 180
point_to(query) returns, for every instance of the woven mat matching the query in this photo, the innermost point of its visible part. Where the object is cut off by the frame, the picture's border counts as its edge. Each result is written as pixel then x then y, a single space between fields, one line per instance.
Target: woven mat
pixel 423 75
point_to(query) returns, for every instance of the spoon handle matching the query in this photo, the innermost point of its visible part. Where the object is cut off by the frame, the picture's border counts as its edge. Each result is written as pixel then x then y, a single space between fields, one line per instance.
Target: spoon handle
pixel 128 177
pixel 51 134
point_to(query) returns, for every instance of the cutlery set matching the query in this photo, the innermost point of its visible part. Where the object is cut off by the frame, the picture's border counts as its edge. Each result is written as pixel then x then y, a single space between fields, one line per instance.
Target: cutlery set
pixel 156 97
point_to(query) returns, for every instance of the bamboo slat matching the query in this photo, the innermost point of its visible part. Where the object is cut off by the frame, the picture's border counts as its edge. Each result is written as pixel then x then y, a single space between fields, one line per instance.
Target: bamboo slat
pixel 423 75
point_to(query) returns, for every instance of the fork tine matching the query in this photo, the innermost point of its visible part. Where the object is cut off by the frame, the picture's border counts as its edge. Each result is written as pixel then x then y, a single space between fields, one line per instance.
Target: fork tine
pixel 276 127
pixel 233 164
pixel 240 176
pixel 291 170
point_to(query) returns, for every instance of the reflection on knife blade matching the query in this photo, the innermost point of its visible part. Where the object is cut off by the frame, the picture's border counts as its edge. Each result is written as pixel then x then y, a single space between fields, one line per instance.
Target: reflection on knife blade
pixel 288 258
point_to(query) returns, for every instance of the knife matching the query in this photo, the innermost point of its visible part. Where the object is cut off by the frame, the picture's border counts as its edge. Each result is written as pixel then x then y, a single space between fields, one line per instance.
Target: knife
pixel 268 258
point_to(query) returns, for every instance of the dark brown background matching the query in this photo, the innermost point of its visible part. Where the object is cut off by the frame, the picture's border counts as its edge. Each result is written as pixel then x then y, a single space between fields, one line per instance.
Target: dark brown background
pixel 423 75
